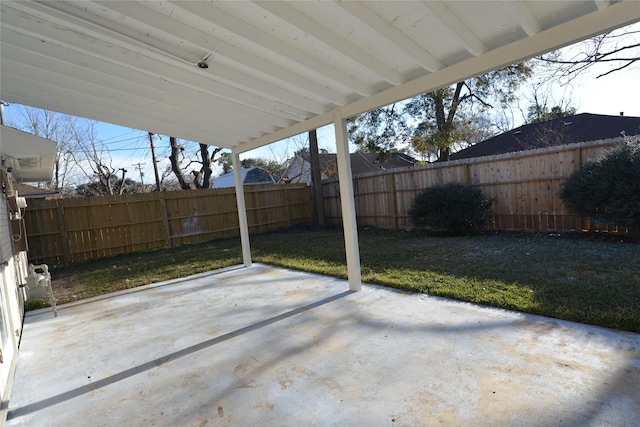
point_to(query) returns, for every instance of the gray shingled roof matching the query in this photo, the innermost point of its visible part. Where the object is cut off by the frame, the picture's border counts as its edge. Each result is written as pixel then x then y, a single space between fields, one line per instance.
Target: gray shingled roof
pixel 579 128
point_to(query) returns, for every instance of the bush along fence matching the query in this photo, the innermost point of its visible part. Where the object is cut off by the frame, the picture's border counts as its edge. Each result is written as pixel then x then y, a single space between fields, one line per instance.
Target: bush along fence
pixel 71 231
pixel 525 187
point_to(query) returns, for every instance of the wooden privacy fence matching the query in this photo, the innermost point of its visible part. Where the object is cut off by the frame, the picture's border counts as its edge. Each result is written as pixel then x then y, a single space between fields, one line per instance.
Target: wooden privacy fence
pixel 70 231
pixel 525 186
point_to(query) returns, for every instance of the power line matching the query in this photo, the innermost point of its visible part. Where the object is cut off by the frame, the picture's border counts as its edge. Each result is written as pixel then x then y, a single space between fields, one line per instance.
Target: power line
pixel 128 149
pixel 123 135
pixel 120 141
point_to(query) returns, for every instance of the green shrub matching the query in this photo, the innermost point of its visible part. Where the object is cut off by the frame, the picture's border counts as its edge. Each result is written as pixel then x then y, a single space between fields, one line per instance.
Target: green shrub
pixel 607 190
pixel 452 207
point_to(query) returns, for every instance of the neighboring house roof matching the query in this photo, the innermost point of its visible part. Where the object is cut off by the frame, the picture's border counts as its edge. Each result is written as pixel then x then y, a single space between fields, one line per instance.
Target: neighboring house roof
pixel 252 175
pixel 31 192
pixel 373 162
pixel 579 128
pixel 299 171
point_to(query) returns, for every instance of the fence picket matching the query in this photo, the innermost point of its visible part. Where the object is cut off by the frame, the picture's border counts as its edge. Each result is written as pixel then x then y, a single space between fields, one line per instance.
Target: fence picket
pixel 70 231
pixel 525 186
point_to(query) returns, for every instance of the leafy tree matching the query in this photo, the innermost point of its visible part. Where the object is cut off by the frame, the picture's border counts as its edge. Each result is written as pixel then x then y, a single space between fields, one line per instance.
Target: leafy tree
pixel 274 167
pixel 379 130
pixel 436 121
pixel 96 187
pixel 606 190
pixel 226 161
pixel 537 113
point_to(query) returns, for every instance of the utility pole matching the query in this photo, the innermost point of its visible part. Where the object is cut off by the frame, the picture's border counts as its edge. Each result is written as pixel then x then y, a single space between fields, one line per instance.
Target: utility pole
pixel 138 167
pixel 155 165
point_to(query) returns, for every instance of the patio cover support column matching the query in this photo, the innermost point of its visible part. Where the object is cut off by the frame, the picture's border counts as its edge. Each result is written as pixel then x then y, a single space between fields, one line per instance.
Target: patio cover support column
pixel 347 201
pixel 242 210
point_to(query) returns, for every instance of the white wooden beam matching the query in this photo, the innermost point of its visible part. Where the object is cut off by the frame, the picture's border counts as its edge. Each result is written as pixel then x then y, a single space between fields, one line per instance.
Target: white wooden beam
pixel 289 79
pixel 61 99
pixel 458 29
pixel 242 209
pixel 62 76
pixel 527 21
pixel 84 52
pixel 370 18
pixel 169 115
pixel 348 203
pixel 165 26
pixel 281 47
pixel 320 32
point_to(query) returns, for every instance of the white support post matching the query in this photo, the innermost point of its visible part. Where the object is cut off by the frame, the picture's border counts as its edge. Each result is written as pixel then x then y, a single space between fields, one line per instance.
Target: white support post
pixel 242 210
pixel 348 203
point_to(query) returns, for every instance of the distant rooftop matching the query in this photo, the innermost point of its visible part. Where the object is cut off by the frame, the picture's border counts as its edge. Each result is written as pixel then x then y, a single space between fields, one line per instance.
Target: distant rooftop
pixel 30 191
pixel 579 128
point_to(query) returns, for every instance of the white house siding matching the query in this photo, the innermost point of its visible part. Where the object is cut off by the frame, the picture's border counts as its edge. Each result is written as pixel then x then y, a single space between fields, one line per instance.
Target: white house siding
pixel 6 249
pixel 13 268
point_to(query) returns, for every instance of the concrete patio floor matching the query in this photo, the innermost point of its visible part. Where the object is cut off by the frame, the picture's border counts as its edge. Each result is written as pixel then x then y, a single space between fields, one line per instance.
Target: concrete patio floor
pixel 266 346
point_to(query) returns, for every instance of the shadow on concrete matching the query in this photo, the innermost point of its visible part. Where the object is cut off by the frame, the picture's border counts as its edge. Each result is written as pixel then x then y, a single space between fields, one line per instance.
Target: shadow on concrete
pixel 53 400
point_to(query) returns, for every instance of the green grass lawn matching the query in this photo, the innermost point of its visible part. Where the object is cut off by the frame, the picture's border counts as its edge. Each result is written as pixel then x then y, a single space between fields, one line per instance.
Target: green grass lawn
pixel 580 279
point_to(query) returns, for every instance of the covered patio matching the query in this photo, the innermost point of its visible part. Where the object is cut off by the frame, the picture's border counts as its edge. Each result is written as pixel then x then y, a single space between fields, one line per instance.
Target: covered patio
pixel 257 345
pixel 269 346
pixel 242 75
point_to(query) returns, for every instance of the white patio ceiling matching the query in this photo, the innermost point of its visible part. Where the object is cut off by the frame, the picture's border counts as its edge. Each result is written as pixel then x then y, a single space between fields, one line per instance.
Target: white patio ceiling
pixel 275 69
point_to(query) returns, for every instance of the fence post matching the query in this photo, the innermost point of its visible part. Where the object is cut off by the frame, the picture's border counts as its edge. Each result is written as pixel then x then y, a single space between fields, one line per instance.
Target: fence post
pixel 63 233
pixel 165 220
pixel 393 201
pixel 578 163
pixel 287 198
pixel 466 175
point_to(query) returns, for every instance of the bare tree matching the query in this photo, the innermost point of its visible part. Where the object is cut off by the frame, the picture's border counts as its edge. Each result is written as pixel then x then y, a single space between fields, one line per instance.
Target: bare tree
pixel 174 158
pixel 94 160
pixel 83 165
pixel 202 177
pixel 202 157
pixel 619 48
